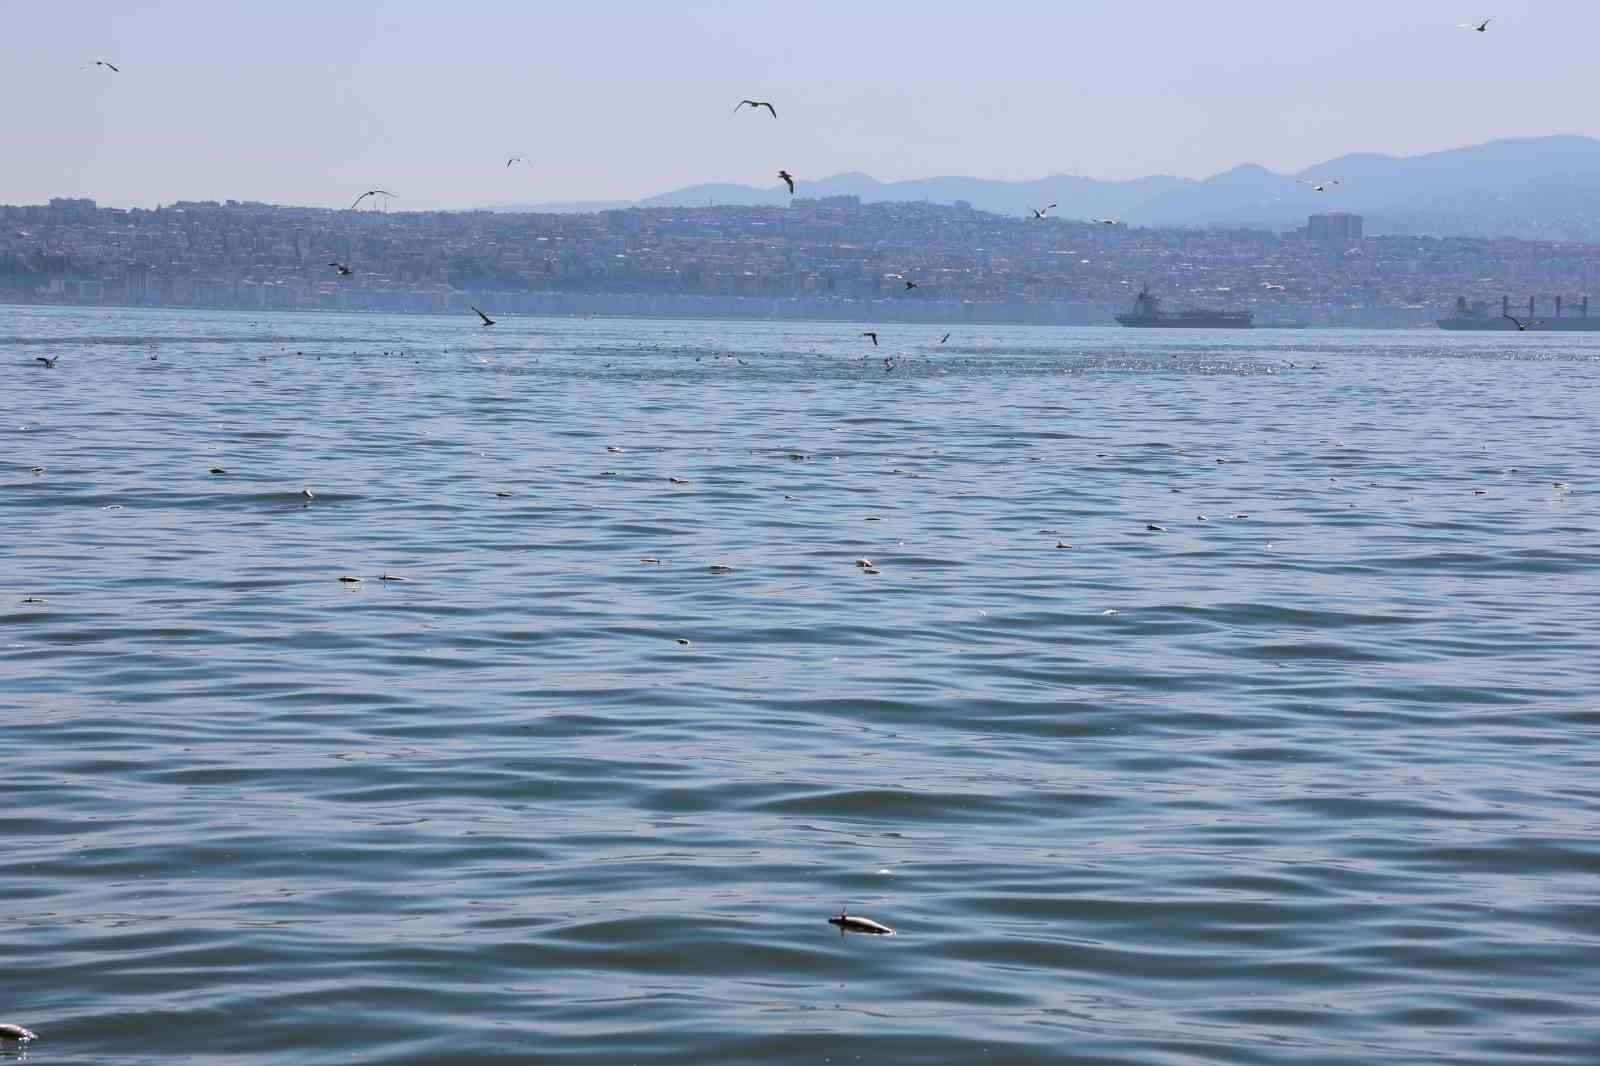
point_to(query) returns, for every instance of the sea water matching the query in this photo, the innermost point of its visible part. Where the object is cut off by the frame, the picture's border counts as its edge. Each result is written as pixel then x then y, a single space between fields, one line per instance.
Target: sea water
pixel 1179 697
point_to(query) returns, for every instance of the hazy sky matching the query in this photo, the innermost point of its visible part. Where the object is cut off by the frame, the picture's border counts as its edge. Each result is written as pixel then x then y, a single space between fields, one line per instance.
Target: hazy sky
pixel 310 103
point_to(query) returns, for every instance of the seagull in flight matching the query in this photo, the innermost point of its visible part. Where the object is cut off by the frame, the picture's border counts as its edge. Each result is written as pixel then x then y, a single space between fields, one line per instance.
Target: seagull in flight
pixel 1521 325
pixel 1107 221
pixel 873 334
pixel 343 270
pixel 944 338
pixel 103 63
pixel 1319 184
pixel 1481 27
pixel 789 178
pixel 370 192
pixel 49 363
pixel 755 104
pixel 514 159
pixel 487 321
pixel 1040 212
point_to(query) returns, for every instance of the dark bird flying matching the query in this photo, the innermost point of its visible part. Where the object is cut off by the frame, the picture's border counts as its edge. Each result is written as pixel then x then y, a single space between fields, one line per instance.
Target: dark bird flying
pixel 103 63
pixel 873 335
pixel 789 178
pixel 487 321
pixel 755 104
pixel 370 192
pixel 1521 325
pixel 342 269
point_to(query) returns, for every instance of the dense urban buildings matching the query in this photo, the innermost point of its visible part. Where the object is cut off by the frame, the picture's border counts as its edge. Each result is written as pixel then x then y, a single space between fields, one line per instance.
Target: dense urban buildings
pixel 821 258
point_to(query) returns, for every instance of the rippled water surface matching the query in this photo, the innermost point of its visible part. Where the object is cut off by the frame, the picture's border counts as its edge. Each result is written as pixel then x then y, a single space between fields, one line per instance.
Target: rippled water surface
pixel 1312 780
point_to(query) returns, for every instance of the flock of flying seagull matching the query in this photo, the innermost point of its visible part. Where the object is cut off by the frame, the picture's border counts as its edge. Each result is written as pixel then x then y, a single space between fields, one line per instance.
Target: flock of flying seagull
pixel 846 922
pixel 1037 213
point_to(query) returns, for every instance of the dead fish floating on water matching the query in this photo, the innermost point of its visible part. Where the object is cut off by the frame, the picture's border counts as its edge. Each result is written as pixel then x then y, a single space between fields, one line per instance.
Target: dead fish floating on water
pixel 16 1032
pixel 1152 527
pixel 851 923
pixel 348 580
pixel 392 577
pixel 720 568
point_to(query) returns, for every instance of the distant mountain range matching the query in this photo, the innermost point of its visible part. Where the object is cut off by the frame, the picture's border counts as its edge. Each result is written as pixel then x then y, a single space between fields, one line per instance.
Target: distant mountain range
pixel 1545 188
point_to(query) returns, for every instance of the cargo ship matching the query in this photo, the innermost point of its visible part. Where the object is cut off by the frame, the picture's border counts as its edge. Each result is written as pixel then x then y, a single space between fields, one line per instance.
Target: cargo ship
pixel 1479 315
pixel 1147 312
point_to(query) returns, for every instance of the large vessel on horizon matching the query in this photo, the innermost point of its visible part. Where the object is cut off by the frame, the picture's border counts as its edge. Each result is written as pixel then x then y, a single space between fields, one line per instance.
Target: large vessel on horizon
pixel 1147 312
pixel 1478 315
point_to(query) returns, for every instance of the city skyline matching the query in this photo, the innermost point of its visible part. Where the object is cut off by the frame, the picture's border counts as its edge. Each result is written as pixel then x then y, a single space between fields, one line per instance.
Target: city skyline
pixel 303 104
pixel 819 259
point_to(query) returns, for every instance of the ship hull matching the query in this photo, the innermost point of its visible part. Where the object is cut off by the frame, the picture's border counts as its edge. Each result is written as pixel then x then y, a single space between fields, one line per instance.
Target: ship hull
pixel 1554 325
pixel 1197 322
pixel 1147 314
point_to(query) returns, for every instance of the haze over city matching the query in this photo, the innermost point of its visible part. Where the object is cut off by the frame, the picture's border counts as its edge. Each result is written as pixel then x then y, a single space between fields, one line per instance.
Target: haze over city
pixel 304 104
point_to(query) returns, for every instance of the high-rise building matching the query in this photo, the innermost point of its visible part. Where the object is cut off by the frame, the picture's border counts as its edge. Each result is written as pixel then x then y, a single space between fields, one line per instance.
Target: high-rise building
pixel 1335 226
